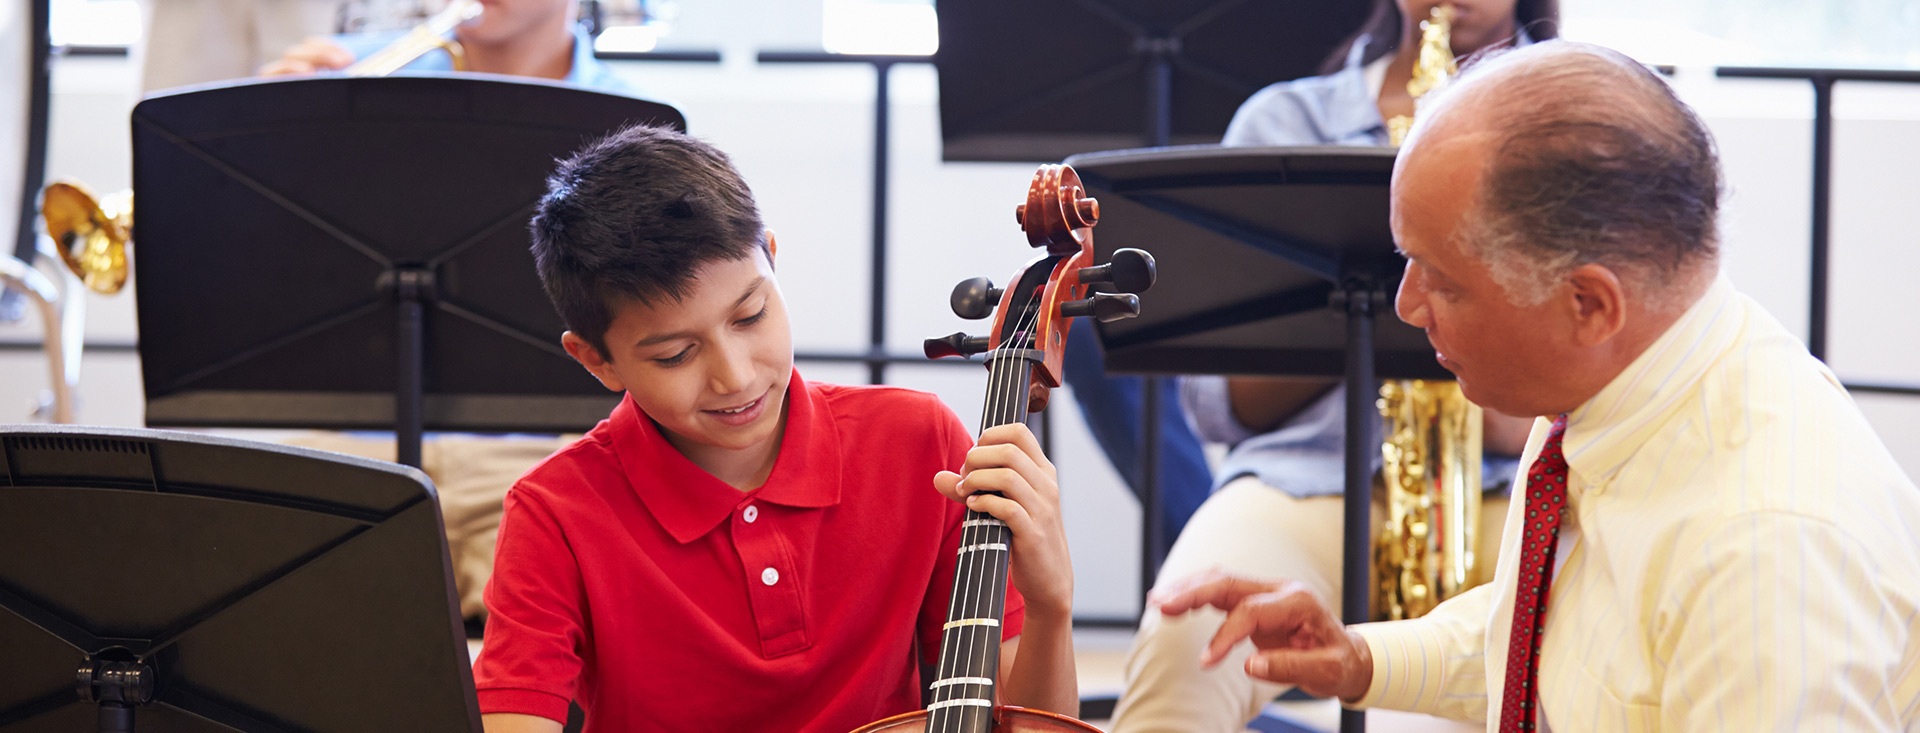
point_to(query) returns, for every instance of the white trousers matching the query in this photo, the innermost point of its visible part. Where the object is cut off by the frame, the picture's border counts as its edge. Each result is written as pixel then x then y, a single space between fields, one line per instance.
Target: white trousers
pixel 1252 529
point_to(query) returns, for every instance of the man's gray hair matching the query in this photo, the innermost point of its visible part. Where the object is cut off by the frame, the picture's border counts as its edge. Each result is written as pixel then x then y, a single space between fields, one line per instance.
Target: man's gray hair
pixel 1595 160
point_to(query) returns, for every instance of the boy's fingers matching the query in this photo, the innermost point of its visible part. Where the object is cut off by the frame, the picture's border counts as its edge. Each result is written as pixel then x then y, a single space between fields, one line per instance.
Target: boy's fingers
pixel 948 484
pixel 984 457
pixel 1004 481
pixel 1003 509
pixel 1018 436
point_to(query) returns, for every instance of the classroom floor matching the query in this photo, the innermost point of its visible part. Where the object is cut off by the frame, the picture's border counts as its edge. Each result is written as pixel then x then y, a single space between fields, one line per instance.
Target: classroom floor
pixel 1102 654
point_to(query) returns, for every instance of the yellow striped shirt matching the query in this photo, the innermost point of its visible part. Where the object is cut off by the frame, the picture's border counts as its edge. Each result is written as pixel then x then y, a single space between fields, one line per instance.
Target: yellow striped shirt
pixel 1743 554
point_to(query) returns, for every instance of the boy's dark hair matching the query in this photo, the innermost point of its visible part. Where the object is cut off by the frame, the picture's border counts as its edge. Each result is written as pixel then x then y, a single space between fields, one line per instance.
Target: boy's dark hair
pixel 633 216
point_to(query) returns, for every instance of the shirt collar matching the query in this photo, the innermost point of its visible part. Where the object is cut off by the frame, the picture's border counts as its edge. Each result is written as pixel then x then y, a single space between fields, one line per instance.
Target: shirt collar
pixel 1352 110
pixel 1605 431
pixel 689 502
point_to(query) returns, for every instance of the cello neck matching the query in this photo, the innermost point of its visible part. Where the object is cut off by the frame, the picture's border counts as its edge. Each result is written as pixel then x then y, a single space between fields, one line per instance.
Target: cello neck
pixel 967 677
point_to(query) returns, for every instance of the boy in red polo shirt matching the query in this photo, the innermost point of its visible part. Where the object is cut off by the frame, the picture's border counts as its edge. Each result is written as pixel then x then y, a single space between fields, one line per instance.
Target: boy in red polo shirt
pixel 734 548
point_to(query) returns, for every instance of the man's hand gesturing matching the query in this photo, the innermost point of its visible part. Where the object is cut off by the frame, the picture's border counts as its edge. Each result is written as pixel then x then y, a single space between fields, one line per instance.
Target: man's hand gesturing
pixel 1298 640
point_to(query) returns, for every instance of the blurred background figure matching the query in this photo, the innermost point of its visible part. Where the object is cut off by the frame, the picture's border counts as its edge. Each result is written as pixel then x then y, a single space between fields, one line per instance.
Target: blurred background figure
pixel 534 38
pixel 199 41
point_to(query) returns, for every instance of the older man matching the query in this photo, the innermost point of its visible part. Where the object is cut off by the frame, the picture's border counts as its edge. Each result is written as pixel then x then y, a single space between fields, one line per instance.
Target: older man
pixel 1710 535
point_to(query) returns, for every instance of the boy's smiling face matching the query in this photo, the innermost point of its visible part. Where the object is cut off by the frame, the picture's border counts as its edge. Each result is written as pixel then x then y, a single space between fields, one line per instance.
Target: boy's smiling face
pixel 711 368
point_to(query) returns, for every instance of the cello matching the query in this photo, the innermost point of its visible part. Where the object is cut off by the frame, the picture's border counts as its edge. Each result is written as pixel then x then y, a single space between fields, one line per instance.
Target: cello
pixel 1024 353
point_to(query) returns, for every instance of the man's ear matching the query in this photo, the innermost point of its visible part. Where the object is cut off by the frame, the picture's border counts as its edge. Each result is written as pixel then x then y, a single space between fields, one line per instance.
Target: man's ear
pixel 773 248
pixel 589 357
pixel 1599 304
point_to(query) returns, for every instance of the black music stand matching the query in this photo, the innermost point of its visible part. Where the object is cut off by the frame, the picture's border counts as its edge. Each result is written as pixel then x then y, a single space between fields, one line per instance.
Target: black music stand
pixel 1022 80
pixel 213 584
pixel 1272 261
pixel 352 253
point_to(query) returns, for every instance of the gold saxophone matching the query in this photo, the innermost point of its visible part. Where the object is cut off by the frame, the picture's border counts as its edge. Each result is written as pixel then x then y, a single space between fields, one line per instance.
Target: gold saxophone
pixel 1431 70
pixel 1431 449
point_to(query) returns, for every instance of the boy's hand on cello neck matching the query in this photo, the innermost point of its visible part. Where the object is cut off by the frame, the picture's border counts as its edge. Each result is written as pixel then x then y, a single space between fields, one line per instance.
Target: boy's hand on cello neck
pixel 1007 460
pixel 1037 668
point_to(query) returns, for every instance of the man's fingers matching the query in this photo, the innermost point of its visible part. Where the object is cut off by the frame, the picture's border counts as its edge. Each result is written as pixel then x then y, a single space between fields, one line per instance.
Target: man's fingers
pixel 1283 612
pixel 1213 588
pixel 1314 670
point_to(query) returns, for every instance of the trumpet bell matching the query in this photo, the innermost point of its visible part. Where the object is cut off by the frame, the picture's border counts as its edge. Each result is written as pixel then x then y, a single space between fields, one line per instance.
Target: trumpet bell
pixel 92 233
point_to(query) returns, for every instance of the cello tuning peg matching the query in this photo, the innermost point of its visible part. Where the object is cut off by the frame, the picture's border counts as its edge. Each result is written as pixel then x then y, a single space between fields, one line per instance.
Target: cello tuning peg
pixel 956 344
pixel 1130 271
pixel 974 298
pixel 1104 307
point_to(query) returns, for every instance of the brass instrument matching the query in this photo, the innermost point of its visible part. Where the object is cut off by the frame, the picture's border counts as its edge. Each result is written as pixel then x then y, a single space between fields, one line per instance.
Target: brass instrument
pixel 1431 451
pixel 434 34
pixel 1431 467
pixel 91 234
pixel 1432 69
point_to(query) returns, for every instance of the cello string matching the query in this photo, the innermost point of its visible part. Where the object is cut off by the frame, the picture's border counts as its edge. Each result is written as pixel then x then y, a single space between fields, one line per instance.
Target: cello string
pixel 950 645
pixel 1001 389
pixel 1006 395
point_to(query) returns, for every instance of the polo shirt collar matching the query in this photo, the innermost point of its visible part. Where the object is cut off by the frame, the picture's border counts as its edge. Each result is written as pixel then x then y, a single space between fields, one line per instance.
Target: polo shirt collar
pixel 1603 433
pixel 689 502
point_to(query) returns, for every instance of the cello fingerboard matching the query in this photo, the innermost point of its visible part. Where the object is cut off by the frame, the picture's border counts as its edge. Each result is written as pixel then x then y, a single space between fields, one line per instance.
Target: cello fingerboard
pixel 967 677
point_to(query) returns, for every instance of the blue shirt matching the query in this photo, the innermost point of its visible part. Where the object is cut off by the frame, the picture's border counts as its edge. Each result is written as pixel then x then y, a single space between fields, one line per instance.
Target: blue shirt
pixel 587 72
pixel 1305 455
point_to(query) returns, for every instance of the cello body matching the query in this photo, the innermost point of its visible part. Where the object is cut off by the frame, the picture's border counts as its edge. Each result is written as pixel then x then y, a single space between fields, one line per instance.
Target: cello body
pixel 1006 719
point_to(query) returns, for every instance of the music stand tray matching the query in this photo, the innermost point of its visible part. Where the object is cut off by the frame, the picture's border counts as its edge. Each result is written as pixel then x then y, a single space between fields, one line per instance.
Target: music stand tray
pixel 1075 76
pixel 239 586
pixel 1253 244
pixel 310 249
pixel 1272 261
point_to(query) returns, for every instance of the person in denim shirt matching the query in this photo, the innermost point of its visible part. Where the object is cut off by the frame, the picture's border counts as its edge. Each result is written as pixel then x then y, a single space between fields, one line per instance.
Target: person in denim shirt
pixel 1277 506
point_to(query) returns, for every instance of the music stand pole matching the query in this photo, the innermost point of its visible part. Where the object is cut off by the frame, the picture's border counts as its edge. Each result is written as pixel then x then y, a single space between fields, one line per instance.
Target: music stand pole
pixel 412 287
pixel 1359 299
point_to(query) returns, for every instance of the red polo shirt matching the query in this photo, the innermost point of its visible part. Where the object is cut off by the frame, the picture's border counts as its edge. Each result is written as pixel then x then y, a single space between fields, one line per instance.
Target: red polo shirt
pixel 660 598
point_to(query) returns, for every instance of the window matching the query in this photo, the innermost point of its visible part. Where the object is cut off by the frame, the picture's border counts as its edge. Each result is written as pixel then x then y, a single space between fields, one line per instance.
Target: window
pixel 1855 33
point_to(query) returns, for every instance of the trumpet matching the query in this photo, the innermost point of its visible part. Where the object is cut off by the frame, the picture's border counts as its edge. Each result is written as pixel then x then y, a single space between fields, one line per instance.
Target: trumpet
pixel 434 34
pixel 89 235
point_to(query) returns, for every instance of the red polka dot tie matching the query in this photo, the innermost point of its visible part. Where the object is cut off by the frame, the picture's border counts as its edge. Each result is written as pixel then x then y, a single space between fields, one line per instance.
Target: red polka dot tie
pixel 1546 503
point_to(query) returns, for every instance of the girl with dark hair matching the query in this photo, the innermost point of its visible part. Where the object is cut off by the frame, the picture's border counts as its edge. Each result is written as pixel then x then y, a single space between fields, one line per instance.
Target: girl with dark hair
pixel 1375 64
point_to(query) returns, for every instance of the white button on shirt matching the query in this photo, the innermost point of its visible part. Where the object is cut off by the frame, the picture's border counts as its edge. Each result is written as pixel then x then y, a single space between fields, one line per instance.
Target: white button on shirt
pixel 1741 555
pixel 769 576
pixel 752 513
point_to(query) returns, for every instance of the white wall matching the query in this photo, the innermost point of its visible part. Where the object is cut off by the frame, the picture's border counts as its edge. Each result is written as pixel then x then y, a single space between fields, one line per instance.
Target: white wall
pixel 801 136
